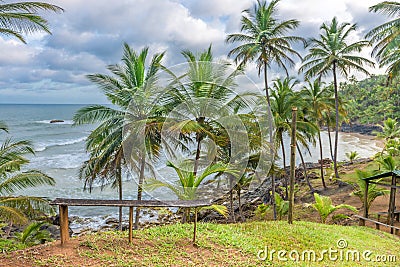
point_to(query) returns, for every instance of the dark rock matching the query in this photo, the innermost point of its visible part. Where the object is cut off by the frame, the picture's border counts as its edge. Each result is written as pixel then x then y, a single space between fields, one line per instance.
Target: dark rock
pixel 367 129
pixel 56 121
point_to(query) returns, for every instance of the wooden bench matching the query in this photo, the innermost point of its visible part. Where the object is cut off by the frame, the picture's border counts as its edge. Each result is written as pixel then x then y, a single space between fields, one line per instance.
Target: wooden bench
pixel 64 203
pixel 396 212
pixel 377 224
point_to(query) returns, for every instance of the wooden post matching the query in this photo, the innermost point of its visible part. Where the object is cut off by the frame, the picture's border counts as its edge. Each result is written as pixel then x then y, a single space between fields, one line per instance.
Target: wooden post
pixel 130 224
pixel 64 229
pixel 292 165
pixel 366 200
pixel 194 226
pixel 392 202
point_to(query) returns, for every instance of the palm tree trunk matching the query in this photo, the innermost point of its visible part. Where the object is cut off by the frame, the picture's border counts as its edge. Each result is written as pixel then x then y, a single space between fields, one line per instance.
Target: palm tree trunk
pixel 196 161
pixel 119 178
pixel 305 168
pixel 266 83
pixel 270 140
pixel 231 197
pixel 284 167
pixel 238 190
pixel 330 139
pixel 321 159
pixel 337 120
pixel 140 189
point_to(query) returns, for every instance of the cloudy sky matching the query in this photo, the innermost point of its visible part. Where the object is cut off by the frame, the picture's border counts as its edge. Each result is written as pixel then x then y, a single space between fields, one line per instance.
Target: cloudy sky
pixel 89 35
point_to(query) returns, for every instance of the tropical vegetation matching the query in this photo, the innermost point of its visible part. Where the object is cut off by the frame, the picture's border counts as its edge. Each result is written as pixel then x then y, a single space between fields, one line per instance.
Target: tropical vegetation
pixel 13 179
pixel 332 53
pixel 21 18
pixel 185 122
pixel 126 89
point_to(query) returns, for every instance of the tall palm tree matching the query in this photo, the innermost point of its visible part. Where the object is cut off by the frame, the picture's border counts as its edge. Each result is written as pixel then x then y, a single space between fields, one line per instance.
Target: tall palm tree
pixel 386 36
pixel 331 53
pixel 17 19
pixel 264 39
pixel 17 209
pixel 123 89
pixel 318 99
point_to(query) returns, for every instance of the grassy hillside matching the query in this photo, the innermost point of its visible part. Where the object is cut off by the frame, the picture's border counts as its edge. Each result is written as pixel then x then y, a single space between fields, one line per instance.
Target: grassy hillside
pixel 218 245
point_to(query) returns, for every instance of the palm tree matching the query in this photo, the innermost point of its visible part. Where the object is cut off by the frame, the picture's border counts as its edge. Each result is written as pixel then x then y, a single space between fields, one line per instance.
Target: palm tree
pixel 331 53
pixel 17 19
pixel 186 188
pixel 264 39
pixel 318 99
pixel 129 82
pixel 386 36
pixel 17 209
pixel 283 98
pixel 201 96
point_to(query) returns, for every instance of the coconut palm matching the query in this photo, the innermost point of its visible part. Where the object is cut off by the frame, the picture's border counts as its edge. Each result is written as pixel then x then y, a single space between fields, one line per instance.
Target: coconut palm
pixel 201 96
pixel 18 19
pixel 17 210
pixel 264 39
pixel 386 36
pixel 283 98
pixel 318 99
pixel 331 53
pixel 186 188
pixel 126 86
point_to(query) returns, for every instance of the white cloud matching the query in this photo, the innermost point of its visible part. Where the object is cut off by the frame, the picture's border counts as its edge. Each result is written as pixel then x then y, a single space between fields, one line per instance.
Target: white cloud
pixel 89 35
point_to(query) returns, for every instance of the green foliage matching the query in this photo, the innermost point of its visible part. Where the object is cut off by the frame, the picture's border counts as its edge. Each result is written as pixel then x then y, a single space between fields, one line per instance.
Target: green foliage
pixel 373 190
pixel 21 18
pixel 7 245
pixel 33 234
pixel 261 211
pixel 282 206
pixel 387 163
pixel 324 206
pixel 372 100
pixel 12 159
pixel 351 156
pixel 386 37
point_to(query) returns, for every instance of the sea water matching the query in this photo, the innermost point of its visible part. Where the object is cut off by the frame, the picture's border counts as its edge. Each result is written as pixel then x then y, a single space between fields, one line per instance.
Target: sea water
pixel 60 151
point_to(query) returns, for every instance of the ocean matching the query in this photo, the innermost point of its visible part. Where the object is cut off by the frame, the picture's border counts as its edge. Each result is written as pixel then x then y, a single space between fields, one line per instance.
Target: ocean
pixel 60 151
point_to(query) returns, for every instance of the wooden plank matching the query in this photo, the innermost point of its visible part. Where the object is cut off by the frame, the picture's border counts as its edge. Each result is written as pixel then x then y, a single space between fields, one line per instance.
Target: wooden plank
pixel 130 203
pixel 64 229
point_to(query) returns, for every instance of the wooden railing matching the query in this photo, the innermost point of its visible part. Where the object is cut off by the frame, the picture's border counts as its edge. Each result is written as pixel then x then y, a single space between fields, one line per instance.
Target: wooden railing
pixel 64 203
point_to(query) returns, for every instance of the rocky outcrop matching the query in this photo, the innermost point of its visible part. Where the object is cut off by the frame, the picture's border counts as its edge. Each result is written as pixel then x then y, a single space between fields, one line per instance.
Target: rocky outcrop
pixel 367 129
pixel 56 121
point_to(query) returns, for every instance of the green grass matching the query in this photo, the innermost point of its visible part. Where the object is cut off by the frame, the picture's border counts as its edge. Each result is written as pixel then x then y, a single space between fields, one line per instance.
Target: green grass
pixel 233 245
